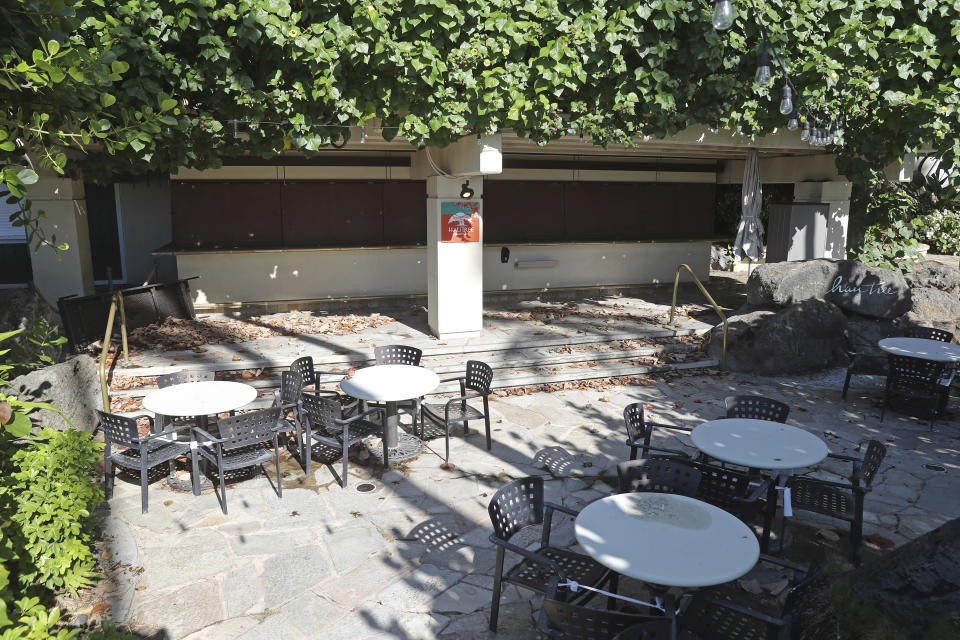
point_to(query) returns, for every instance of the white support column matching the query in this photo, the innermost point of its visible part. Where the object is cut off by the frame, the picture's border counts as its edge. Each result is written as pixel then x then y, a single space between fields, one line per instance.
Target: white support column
pixel 62 200
pixel 454 269
pixel 837 195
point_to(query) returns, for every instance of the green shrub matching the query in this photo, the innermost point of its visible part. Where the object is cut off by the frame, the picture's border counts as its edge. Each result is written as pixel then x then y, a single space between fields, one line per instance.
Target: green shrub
pixel 53 495
pixel 893 246
pixel 941 230
pixel 35 622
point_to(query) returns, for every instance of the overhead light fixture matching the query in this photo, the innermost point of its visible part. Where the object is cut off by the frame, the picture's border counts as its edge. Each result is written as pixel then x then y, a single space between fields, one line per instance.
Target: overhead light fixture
pixel 466 191
pixel 723 15
pixel 794 120
pixel 786 102
pixel 763 77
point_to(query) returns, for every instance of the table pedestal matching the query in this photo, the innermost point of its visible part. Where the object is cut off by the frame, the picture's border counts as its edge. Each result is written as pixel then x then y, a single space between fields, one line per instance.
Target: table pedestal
pixel 401 446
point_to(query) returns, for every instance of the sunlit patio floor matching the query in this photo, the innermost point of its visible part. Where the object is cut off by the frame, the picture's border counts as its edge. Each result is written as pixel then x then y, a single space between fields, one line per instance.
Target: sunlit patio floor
pixel 411 559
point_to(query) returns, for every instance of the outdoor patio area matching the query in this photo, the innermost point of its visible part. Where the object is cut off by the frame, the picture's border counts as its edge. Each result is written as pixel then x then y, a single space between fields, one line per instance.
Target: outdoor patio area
pixel 406 554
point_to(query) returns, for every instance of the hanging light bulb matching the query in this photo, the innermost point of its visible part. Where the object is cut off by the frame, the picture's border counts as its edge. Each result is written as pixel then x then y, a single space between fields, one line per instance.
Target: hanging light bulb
pixel 805 134
pixel 786 101
pixel 793 122
pixel 723 15
pixel 763 76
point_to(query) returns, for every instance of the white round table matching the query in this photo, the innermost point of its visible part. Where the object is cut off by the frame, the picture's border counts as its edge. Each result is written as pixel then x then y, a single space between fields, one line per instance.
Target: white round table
pixel 759 444
pixel 922 348
pixel 199 399
pixel 392 383
pixel 666 539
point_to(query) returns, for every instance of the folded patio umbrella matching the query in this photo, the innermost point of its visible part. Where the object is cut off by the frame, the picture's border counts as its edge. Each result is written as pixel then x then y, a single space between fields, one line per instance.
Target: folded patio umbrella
pixel 749 242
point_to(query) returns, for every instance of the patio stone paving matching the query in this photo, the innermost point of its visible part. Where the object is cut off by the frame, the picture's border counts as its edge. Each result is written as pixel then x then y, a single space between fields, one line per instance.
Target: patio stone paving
pixel 411 559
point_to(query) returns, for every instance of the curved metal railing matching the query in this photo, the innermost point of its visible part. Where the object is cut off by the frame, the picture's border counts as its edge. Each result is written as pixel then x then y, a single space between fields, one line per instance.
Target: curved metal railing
pixel 115 303
pixel 716 307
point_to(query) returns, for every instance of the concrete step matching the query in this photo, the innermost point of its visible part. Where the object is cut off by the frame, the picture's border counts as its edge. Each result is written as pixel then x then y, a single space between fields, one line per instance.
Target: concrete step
pixel 506 377
pixel 220 357
pixel 570 356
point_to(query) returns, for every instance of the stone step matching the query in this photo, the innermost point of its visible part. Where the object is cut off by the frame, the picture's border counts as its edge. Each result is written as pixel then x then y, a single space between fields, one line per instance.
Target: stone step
pixel 281 358
pixel 521 376
pixel 501 360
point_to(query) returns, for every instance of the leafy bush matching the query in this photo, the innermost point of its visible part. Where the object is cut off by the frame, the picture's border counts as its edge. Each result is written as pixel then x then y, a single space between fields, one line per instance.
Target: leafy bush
pixel 941 230
pixel 54 495
pixel 894 246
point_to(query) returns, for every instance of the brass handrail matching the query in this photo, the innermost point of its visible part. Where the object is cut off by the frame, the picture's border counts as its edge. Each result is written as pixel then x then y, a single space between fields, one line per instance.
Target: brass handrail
pixel 716 307
pixel 115 303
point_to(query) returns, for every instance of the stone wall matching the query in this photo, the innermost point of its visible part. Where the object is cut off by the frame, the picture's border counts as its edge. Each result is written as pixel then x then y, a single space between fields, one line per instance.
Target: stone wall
pixel 807 316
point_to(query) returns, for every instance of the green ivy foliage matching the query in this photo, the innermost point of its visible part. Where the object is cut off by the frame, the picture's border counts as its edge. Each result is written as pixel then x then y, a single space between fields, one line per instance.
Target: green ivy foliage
pixel 54 494
pixel 157 83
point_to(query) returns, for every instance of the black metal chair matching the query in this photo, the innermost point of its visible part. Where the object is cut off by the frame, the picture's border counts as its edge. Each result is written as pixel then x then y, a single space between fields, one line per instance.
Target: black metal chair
pixel 183 377
pixel 740 493
pixel 640 432
pixel 478 377
pixel 179 377
pixel 140 453
pixel 287 399
pixel 843 501
pixel 916 387
pixel 325 424
pixel 659 475
pixel 711 615
pixel 865 360
pixel 756 408
pixel 240 446
pixel 927 333
pixel 402 354
pixel 561 620
pixel 520 504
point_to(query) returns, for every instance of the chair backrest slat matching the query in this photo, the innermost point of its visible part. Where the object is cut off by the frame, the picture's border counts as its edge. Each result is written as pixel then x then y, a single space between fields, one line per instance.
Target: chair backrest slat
pixel 397 354
pixel 872 459
pixel 659 475
pixel 303 367
pixel 756 408
pixel 479 376
pixel 721 487
pixel 637 428
pixel 910 370
pixel 516 505
pixel 290 385
pixel 927 333
pixel 183 377
pixel 118 429
pixel 247 429
pixel 322 411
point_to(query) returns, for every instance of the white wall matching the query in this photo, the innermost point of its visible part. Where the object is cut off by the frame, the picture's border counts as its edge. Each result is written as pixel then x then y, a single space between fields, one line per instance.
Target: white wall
pixel 249 276
pixel 145 225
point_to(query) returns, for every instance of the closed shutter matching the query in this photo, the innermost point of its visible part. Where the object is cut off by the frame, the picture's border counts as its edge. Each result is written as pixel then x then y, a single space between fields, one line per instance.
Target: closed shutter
pixel 10 234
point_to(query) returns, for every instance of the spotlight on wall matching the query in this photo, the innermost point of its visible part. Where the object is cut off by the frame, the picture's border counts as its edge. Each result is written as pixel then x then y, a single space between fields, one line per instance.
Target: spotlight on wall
pixel 466 191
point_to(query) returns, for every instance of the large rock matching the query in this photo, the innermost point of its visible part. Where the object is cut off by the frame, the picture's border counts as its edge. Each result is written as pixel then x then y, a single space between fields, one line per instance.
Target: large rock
pixel 852 286
pixel 935 275
pixel 25 309
pixel 864 333
pixel 72 386
pixel 806 336
pixel 934 305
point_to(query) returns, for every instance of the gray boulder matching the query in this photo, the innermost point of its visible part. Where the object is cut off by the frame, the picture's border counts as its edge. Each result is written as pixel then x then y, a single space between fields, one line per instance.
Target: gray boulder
pixel 870 291
pixel 805 336
pixel 851 285
pixel 935 275
pixel 933 305
pixel 72 386
pixel 864 333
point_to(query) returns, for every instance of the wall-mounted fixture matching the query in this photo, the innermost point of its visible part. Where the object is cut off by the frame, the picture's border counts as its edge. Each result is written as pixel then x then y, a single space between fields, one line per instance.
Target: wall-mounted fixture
pixel 466 191
pixel 505 255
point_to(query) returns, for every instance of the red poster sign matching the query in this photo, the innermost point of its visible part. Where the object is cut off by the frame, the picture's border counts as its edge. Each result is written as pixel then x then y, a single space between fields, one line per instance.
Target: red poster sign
pixel 460 221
